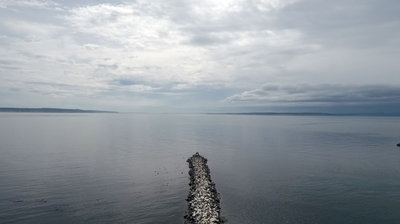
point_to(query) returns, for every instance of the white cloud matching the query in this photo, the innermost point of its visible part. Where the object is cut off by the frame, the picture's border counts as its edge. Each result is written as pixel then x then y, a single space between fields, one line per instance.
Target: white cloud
pixel 145 41
pixel 126 25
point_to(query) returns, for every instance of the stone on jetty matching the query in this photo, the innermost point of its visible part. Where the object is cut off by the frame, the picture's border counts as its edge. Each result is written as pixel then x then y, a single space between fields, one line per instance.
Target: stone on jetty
pixel 203 199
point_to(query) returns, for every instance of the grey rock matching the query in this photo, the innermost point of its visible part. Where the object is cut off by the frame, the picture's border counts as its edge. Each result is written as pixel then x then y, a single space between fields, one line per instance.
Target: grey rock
pixel 203 199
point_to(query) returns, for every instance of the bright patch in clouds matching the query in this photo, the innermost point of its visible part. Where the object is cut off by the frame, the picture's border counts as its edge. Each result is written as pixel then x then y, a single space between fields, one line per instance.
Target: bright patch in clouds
pixel 125 25
pixel 196 55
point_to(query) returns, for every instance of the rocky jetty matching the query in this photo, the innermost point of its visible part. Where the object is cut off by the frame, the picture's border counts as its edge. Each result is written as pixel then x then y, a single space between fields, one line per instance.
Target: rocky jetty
pixel 203 199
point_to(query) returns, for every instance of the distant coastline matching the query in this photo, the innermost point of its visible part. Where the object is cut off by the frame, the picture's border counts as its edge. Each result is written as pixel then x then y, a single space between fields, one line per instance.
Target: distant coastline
pixel 278 113
pixel 310 114
pixel 67 110
pixel 50 110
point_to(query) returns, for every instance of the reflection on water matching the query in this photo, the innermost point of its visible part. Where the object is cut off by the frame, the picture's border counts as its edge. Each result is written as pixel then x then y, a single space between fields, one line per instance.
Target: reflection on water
pixel 129 168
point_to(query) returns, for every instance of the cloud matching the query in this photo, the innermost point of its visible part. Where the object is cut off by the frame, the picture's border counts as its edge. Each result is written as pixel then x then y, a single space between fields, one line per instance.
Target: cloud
pixel 327 93
pixel 174 52
pixel 28 3
pixel 125 24
pixel 346 24
pixel 30 30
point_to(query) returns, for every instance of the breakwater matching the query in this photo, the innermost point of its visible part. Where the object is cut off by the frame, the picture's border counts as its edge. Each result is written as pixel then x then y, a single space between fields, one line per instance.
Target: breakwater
pixel 203 199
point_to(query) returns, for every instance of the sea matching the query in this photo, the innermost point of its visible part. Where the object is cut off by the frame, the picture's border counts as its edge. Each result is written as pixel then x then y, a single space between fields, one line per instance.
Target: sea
pixel 131 168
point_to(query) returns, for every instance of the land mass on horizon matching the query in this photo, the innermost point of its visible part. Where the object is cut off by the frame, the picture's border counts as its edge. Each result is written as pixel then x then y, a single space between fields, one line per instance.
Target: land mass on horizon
pixel 50 110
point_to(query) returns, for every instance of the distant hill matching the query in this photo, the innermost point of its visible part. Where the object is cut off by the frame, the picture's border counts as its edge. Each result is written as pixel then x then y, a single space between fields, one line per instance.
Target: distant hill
pixel 50 110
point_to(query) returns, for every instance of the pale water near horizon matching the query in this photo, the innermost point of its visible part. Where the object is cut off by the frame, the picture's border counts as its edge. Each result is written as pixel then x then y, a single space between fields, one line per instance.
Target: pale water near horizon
pixel 131 168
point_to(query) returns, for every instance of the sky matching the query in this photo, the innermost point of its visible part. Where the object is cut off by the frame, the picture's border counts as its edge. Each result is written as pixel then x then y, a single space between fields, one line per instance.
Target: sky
pixel 201 56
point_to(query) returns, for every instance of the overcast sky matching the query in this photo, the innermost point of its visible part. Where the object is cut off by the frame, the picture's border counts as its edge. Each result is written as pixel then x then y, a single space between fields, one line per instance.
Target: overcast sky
pixel 201 56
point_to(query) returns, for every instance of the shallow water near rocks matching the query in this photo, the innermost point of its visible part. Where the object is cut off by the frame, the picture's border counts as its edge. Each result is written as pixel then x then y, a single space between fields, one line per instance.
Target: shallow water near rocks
pixel 131 168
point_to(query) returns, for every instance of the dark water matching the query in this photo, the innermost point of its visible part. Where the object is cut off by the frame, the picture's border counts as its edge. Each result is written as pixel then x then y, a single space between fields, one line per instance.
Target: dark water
pixel 128 168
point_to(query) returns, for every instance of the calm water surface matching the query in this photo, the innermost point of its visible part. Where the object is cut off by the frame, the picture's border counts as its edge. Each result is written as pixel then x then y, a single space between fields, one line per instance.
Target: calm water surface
pixel 131 168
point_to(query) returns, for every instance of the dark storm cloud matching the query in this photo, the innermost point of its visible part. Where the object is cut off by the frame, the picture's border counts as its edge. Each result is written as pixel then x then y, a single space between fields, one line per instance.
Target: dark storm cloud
pixel 8 65
pixel 319 94
pixel 203 40
pixel 125 82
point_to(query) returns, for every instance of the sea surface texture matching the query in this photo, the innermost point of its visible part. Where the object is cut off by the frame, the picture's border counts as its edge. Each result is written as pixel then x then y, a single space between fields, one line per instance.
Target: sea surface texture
pixel 131 168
